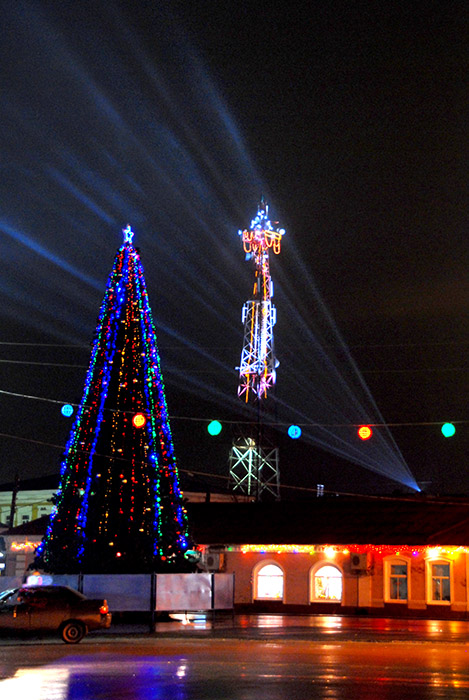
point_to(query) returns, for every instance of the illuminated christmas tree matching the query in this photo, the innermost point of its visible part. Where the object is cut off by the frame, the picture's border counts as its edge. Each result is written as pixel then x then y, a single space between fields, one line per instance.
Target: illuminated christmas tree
pixel 119 508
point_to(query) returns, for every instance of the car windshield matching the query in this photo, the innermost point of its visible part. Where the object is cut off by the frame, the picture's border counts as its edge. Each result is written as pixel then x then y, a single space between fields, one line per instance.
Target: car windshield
pixel 53 593
pixel 8 597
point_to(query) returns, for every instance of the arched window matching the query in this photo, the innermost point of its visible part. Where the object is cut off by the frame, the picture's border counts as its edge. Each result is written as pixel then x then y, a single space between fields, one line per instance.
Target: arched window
pixel 326 584
pixel 268 582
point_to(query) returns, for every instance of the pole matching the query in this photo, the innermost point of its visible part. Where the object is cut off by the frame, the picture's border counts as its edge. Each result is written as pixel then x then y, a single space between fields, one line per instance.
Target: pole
pixel 14 493
pixel 259 437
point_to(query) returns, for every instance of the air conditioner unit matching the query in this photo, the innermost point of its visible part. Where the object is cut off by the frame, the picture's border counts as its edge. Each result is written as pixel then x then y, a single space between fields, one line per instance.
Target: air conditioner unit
pixel 212 561
pixel 358 562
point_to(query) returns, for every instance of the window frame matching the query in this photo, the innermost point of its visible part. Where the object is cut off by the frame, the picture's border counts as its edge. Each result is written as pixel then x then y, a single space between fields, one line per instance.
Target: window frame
pixel 255 576
pixel 387 574
pixel 312 575
pixel 429 563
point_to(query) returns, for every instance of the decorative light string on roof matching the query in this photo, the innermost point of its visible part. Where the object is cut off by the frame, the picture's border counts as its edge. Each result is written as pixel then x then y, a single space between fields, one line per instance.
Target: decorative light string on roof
pixel 431 551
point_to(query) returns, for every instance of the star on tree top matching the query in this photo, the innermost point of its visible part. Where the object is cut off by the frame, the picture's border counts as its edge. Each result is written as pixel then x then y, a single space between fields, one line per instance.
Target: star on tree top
pixel 128 234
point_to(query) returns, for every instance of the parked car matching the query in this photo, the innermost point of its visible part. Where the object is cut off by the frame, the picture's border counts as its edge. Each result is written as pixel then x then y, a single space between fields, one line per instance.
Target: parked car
pixel 52 609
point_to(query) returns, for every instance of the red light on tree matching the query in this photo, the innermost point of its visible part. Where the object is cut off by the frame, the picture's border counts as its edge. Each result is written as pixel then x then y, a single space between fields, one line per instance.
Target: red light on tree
pixel 139 420
pixel 365 432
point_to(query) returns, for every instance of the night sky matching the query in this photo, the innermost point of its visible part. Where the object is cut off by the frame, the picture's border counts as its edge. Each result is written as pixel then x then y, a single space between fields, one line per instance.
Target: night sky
pixel 350 118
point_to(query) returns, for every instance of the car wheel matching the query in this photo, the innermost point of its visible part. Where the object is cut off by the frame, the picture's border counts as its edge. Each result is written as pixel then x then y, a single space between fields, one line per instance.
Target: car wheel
pixel 73 632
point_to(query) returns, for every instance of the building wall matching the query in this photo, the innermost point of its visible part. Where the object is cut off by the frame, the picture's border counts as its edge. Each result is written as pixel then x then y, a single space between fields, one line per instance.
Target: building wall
pixel 18 553
pixel 34 504
pixel 29 506
pixel 366 589
pixel 297 568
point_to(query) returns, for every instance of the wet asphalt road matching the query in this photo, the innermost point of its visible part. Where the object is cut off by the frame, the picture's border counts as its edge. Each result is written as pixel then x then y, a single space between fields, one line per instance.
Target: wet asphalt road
pixel 246 658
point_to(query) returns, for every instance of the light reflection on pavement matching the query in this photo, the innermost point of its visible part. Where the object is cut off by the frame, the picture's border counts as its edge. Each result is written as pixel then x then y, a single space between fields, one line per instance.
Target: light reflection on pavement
pixel 267 671
pixel 142 679
pixel 246 657
pixel 82 678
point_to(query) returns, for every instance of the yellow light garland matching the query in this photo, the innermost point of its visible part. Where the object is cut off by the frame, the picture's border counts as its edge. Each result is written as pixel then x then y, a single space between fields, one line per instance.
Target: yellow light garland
pixel 332 550
pixel 23 546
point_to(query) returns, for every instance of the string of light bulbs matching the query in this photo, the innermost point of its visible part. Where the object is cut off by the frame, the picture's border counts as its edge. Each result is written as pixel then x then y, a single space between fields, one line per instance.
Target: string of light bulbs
pixel 198 419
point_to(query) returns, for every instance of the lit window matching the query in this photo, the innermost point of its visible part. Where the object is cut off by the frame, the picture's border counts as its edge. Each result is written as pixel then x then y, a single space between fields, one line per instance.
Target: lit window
pixel 396 580
pixel 269 583
pixel 439 582
pixel 327 584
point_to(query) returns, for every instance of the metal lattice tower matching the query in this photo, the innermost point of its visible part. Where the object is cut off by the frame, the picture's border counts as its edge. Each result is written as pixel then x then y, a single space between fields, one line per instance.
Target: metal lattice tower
pixel 253 465
pixel 253 471
pixel 258 363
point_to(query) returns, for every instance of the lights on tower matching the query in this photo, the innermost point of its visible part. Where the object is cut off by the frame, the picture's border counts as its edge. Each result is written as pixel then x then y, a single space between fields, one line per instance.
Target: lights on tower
pixel 258 363
pixel 364 432
pixel 262 235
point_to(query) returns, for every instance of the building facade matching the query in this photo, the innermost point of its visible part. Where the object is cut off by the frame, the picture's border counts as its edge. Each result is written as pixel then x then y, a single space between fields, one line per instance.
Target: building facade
pixel 33 499
pixel 383 557
pixel 387 557
pixel 29 505
pixel 346 579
